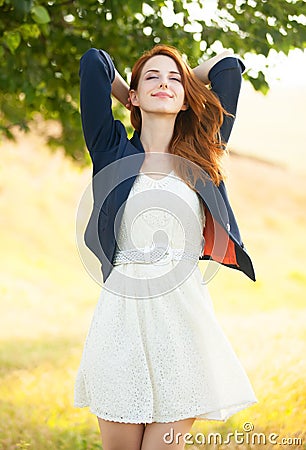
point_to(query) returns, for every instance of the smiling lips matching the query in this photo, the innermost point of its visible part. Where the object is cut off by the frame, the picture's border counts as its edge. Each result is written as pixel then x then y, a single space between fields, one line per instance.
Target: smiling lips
pixel 162 94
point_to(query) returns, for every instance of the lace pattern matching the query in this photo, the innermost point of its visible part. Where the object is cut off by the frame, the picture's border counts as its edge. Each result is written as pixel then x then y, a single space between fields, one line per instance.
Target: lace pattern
pixel 148 256
pixel 154 212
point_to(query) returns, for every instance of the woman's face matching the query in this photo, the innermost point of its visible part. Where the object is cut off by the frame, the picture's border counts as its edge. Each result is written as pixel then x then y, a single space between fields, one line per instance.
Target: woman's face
pixel 160 89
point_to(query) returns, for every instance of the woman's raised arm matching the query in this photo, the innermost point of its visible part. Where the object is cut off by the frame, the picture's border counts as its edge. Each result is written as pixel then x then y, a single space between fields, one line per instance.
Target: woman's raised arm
pixel 223 72
pixel 120 89
pixel 203 69
pixel 97 76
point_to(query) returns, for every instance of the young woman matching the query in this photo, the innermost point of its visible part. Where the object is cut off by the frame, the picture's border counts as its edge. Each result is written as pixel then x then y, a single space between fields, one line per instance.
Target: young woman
pixel 155 358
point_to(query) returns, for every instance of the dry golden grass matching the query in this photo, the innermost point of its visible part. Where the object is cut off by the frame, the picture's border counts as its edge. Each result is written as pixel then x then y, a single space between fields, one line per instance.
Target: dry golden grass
pixel 47 300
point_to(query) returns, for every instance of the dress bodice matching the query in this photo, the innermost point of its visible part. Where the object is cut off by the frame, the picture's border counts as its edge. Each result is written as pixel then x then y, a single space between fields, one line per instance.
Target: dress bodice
pixel 163 211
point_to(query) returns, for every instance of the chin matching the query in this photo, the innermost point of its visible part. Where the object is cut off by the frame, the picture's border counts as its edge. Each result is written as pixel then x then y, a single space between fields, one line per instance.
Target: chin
pixel 162 110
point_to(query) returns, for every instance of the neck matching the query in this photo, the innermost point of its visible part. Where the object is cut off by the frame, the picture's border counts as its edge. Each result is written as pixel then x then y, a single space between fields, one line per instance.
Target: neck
pixel 156 132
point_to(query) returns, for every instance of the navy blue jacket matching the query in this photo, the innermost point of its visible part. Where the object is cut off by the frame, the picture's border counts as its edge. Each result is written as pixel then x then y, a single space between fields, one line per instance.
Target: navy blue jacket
pixel 117 161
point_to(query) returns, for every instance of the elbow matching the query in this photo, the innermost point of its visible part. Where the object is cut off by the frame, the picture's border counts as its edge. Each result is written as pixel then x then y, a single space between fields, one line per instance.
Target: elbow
pixel 86 59
pixel 90 55
pixel 94 60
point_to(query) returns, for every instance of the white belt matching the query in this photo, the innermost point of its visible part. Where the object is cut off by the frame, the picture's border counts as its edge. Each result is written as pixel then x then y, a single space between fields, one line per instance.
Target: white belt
pixel 147 255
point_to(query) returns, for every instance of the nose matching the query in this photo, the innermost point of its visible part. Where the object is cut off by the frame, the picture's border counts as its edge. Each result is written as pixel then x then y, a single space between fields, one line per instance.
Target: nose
pixel 163 84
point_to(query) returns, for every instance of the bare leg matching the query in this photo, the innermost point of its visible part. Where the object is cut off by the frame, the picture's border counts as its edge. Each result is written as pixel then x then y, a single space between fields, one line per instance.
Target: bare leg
pixel 159 436
pixel 119 436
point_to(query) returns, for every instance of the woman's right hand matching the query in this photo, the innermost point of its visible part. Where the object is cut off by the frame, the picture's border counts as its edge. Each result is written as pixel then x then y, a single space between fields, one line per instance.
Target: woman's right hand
pixel 128 104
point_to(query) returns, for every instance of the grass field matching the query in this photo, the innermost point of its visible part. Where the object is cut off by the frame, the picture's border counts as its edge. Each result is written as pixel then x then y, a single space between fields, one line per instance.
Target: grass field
pixel 47 300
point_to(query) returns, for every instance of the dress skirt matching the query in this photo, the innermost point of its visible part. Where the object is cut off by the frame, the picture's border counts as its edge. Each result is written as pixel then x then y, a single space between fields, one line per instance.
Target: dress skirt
pixel 155 351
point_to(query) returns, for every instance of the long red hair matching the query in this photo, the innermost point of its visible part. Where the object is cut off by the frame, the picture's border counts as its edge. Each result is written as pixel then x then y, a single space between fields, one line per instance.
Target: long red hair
pixel 196 134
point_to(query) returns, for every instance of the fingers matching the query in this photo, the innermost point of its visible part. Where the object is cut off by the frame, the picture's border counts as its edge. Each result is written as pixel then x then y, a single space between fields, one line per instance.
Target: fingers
pixel 128 105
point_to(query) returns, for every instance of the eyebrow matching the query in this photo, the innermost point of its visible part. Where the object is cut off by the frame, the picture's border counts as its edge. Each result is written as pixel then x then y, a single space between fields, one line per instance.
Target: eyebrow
pixel 158 71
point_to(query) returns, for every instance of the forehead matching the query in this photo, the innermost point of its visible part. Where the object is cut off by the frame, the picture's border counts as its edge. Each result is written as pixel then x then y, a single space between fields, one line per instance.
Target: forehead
pixel 160 62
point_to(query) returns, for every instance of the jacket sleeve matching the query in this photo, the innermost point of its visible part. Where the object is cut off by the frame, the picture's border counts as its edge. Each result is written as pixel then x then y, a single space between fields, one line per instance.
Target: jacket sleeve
pixel 225 78
pixel 97 73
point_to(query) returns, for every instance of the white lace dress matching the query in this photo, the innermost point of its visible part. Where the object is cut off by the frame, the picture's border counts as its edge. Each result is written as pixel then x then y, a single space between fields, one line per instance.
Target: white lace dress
pixel 155 351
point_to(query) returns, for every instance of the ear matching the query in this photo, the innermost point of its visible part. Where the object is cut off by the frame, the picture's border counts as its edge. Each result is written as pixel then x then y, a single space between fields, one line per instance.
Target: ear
pixel 134 97
pixel 185 106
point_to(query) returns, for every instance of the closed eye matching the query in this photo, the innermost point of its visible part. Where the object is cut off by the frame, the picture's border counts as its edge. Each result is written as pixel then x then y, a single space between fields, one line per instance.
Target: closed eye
pixel 152 77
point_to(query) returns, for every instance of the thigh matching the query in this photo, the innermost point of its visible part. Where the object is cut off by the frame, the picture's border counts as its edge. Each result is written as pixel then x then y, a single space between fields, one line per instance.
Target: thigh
pixel 166 436
pixel 118 436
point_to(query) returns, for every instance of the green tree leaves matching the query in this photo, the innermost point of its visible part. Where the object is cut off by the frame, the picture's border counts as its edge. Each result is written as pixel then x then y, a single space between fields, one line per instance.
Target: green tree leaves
pixel 11 39
pixel 40 14
pixel 41 42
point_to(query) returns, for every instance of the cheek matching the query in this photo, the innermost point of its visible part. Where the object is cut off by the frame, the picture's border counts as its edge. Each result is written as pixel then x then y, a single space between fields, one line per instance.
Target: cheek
pixel 179 89
pixel 181 94
pixel 144 90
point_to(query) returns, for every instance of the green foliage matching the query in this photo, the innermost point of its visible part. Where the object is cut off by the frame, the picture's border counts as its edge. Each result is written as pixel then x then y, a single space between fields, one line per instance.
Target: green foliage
pixel 41 42
pixel 40 14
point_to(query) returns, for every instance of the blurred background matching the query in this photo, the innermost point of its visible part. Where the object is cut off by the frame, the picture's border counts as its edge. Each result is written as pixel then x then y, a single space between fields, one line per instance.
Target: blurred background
pixel 46 296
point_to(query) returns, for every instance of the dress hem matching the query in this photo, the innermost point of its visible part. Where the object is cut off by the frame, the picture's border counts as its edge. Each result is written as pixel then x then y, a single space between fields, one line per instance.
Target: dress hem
pixel 234 408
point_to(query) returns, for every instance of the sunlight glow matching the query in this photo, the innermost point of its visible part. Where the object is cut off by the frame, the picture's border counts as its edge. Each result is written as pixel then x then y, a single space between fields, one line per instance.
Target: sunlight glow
pixel 286 70
pixel 278 68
